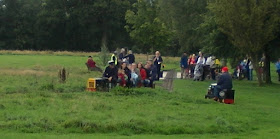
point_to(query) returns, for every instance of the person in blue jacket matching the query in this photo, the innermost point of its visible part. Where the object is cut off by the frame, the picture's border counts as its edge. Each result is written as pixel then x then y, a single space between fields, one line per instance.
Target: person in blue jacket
pixel 224 82
pixel 278 69
pixel 184 65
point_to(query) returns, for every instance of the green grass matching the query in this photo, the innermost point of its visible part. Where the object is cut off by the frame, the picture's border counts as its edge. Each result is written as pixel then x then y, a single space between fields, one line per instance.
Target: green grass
pixel 34 104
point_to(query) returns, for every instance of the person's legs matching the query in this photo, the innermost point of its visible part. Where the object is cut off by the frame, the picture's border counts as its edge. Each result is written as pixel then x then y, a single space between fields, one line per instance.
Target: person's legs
pixel 158 72
pixel 251 74
pixel 182 72
pixel 278 71
pixel 217 90
pixel 213 74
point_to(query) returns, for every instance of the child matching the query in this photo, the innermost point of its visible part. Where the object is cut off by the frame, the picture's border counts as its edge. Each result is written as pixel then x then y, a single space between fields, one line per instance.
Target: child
pixel 122 78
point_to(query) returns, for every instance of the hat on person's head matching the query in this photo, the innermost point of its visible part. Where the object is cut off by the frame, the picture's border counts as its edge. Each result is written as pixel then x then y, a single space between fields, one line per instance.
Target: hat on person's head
pixel 111 62
pixel 89 57
pixel 225 69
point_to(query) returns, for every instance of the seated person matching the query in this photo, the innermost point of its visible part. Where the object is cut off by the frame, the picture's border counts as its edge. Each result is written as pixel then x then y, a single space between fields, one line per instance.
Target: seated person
pixel 122 78
pixel 224 82
pixel 144 81
pixel 111 72
pixel 135 75
pixel 127 71
pixel 91 65
pixel 153 72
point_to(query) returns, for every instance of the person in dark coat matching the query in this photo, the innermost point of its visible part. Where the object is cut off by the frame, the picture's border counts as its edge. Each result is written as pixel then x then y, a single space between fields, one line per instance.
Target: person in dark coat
pixel 184 65
pixel 153 72
pixel 224 82
pixel 157 63
pixel 130 57
pixel 111 72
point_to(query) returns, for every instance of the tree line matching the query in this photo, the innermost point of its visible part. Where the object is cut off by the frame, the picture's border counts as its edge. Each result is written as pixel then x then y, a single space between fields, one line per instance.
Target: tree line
pixel 225 28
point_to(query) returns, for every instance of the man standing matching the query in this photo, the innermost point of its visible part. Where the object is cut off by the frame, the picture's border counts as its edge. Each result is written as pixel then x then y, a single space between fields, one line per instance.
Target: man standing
pixel 184 65
pixel 278 69
pixel 224 82
pixel 111 72
pixel 157 62
pixel 213 67
pixel 130 57
pixel 114 58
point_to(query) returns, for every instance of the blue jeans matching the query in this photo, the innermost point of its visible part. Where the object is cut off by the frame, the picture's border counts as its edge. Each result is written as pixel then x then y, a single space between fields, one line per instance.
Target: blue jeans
pixel 217 91
pixel 250 74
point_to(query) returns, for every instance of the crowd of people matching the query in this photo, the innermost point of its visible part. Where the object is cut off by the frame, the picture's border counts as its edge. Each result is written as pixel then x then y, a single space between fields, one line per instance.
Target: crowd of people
pixel 199 67
pixel 123 70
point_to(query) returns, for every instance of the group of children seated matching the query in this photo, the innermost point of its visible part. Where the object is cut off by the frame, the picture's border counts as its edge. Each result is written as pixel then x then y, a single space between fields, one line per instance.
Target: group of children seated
pixel 131 75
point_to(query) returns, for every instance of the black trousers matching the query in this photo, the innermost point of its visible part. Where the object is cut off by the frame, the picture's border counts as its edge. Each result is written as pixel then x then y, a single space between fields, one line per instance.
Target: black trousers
pixel 213 73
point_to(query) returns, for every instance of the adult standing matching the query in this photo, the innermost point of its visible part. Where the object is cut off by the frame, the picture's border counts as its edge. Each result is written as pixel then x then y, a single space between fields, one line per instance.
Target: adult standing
pixel 192 64
pixel 201 61
pixel 184 65
pixel 130 57
pixel 157 63
pixel 121 55
pixel 278 69
pixel 114 58
pixel 213 67
pixel 250 71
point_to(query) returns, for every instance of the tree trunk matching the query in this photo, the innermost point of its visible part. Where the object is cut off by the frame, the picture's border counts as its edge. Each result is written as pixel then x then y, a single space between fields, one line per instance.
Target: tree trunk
pixel 255 62
pixel 267 73
pixel 104 37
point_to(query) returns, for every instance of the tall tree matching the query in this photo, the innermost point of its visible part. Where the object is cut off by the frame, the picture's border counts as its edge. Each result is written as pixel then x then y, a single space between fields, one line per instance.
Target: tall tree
pixel 249 24
pixel 184 17
pixel 146 28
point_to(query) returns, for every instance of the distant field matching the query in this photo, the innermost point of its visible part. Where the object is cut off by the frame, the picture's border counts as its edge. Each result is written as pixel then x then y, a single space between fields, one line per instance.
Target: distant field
pixel 34 104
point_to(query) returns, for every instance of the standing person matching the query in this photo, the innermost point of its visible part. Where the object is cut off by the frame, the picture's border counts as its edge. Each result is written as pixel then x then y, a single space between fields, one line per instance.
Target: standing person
pixel 130 57
pixel 121 55
pixel 114 58
pixel 251 71
pixel 278 69
pixel 213 68
pixel 247 68
pixel 192 64
pixel 184 65
pixel 201 61
pixel 207 69
pixel 157 63
pixel 111 72
pixel 224 82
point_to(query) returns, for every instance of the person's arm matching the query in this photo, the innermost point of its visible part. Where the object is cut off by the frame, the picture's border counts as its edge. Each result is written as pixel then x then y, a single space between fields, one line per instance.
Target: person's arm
pixel 160 59
pixel 105 72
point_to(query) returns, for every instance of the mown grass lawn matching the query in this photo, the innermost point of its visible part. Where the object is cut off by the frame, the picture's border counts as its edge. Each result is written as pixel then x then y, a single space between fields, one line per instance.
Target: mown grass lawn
pixel 33 104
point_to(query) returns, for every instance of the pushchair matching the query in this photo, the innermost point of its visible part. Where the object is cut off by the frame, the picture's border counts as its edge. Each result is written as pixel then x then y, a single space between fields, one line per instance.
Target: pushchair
pixel 198 72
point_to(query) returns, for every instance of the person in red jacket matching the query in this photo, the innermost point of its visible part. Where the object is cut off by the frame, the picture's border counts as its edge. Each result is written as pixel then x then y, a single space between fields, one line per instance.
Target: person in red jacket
pixel 144 77
pixel 91 65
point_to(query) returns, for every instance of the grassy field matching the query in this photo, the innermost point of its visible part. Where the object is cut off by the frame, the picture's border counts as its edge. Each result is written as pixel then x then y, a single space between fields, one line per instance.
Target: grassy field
pixel 34 104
